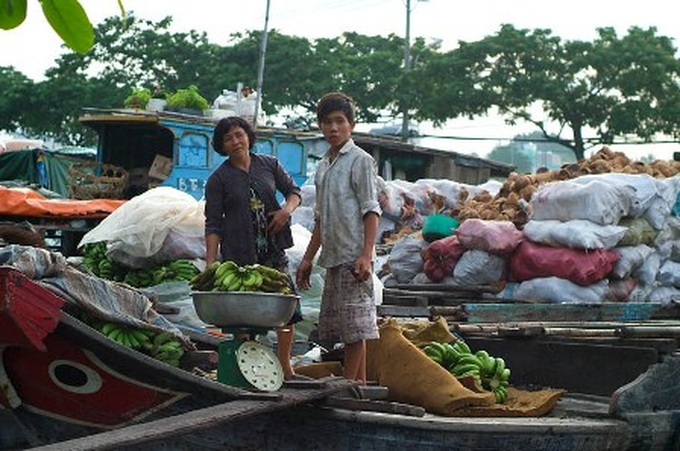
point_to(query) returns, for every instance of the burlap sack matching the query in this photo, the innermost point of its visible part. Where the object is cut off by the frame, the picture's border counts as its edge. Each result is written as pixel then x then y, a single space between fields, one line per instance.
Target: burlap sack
pixel 422 332
pixel 520 403
pixel 413 378
pixel 320 370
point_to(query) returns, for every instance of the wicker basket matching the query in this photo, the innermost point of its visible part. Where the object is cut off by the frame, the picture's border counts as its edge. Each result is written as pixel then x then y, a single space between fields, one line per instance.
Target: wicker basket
pixel 96 181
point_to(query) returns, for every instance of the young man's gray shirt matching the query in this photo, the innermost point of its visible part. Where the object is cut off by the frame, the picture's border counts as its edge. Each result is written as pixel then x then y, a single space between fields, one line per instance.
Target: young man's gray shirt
pixel 346 190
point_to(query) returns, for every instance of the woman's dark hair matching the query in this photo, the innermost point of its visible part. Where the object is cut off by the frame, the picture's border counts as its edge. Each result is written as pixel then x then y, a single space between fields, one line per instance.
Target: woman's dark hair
pixel 335 101
pixel 225 125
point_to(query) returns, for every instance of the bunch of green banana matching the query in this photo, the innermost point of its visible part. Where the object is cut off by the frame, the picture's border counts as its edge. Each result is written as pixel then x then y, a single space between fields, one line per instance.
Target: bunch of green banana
pixel 96 260
pixel 205 280
pixel 132 337
pixel 167 348
pixel 140 278
pixel 231 277
pixel 460 361
pixel 273 280
pixel 181 269
pixel 446 354
pixel 177 270
pixel 93 253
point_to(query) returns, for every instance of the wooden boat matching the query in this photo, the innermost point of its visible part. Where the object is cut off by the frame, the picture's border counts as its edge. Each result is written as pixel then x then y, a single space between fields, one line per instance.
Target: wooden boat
pixel 61 379
pixel 65 386
pixel 578 423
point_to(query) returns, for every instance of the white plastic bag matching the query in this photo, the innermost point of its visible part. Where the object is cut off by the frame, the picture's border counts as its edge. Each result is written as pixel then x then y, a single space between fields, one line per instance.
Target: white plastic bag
pixel 405 260
pixel 556 290
pixel 477 267
pixel 632 258
pixel 137 231
pixel 597 201
pixel 575 234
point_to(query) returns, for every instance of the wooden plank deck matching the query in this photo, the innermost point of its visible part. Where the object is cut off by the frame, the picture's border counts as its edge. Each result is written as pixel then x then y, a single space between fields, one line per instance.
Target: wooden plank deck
pixel 196 421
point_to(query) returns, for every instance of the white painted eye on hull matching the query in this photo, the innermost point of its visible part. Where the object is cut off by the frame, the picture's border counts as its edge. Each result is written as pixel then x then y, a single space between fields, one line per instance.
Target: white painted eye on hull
pixel 74 377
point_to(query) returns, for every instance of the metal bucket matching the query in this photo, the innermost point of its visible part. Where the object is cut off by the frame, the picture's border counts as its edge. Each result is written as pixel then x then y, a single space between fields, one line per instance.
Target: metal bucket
pixel 244 309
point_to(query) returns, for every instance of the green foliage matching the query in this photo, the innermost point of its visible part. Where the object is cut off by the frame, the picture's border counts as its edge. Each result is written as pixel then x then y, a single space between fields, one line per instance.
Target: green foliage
pixel 70 22
pixel 613 86
pixel 188 98
pixel 609 88
pixel 138 98
pixel 12 13
pixel 16 89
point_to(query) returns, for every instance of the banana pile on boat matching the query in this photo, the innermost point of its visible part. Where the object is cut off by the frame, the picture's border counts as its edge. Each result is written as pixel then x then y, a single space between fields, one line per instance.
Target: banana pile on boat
pixel 461 362
pixel 176 270
pixel 163 346
pixel 96 260
pixel 229 276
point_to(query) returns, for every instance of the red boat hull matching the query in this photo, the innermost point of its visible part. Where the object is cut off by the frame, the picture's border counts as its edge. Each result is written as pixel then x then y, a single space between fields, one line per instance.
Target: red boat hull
pixel 59 375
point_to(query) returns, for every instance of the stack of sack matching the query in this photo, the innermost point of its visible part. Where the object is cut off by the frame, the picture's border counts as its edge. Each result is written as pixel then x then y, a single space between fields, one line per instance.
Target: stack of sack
pixel 594 238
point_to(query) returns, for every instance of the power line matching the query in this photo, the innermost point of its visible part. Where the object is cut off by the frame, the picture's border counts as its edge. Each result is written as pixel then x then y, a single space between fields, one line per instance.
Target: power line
pixel 544 140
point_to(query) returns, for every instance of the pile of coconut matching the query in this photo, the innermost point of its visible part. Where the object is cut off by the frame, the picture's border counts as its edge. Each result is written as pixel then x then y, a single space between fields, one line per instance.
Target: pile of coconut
pixel 512 201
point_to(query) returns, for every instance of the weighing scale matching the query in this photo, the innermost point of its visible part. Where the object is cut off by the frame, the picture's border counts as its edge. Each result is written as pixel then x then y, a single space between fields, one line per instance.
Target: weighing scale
pixel 246 363
pixel 243 361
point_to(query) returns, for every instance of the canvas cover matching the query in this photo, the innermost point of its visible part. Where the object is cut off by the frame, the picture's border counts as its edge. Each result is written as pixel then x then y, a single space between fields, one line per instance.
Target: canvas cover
pixel 24 165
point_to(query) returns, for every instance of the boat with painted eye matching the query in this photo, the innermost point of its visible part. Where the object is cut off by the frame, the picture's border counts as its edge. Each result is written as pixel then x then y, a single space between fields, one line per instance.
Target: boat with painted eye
pixel 66 386
pixel 62 379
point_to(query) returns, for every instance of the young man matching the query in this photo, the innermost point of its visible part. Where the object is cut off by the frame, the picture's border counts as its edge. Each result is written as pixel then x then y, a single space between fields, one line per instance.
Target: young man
pixel 345 224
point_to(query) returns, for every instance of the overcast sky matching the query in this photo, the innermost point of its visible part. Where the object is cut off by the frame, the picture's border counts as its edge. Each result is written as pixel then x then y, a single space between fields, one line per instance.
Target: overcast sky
pixel 33 46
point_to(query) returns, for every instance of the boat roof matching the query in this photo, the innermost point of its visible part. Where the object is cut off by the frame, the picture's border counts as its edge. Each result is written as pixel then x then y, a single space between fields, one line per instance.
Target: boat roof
pixel 94 117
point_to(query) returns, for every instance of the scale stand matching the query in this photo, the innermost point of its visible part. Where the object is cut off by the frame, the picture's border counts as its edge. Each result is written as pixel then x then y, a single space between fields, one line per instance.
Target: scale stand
pixel 247 363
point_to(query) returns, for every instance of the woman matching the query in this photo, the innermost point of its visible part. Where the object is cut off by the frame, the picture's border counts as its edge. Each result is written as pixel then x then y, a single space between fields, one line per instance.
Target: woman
pixel 244 221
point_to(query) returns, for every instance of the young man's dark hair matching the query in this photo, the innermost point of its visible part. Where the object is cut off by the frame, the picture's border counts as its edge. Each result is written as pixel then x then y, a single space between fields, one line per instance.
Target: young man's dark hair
pixel 336 101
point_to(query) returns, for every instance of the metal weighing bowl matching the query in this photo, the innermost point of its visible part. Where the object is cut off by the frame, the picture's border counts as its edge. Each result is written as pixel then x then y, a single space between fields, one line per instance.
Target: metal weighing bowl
pixel 244 309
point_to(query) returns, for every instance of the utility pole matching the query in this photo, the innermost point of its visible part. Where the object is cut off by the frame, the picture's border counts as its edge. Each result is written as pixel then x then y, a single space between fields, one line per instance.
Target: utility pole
pixel 260 67
pixel 407 66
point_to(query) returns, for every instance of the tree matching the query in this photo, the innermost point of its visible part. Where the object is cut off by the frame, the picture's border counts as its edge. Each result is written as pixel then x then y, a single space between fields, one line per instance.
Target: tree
pixel 128 53
pixel 612 86
pixel 16 88
pixel 299 72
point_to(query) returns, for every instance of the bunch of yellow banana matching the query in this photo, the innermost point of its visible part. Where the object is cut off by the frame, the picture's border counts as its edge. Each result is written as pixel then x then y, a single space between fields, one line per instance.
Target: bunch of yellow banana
pixel 132 337
pixel 167 348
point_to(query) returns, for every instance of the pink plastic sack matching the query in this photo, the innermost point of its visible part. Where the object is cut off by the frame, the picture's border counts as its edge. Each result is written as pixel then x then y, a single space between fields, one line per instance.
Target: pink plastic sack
pixel 494 237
